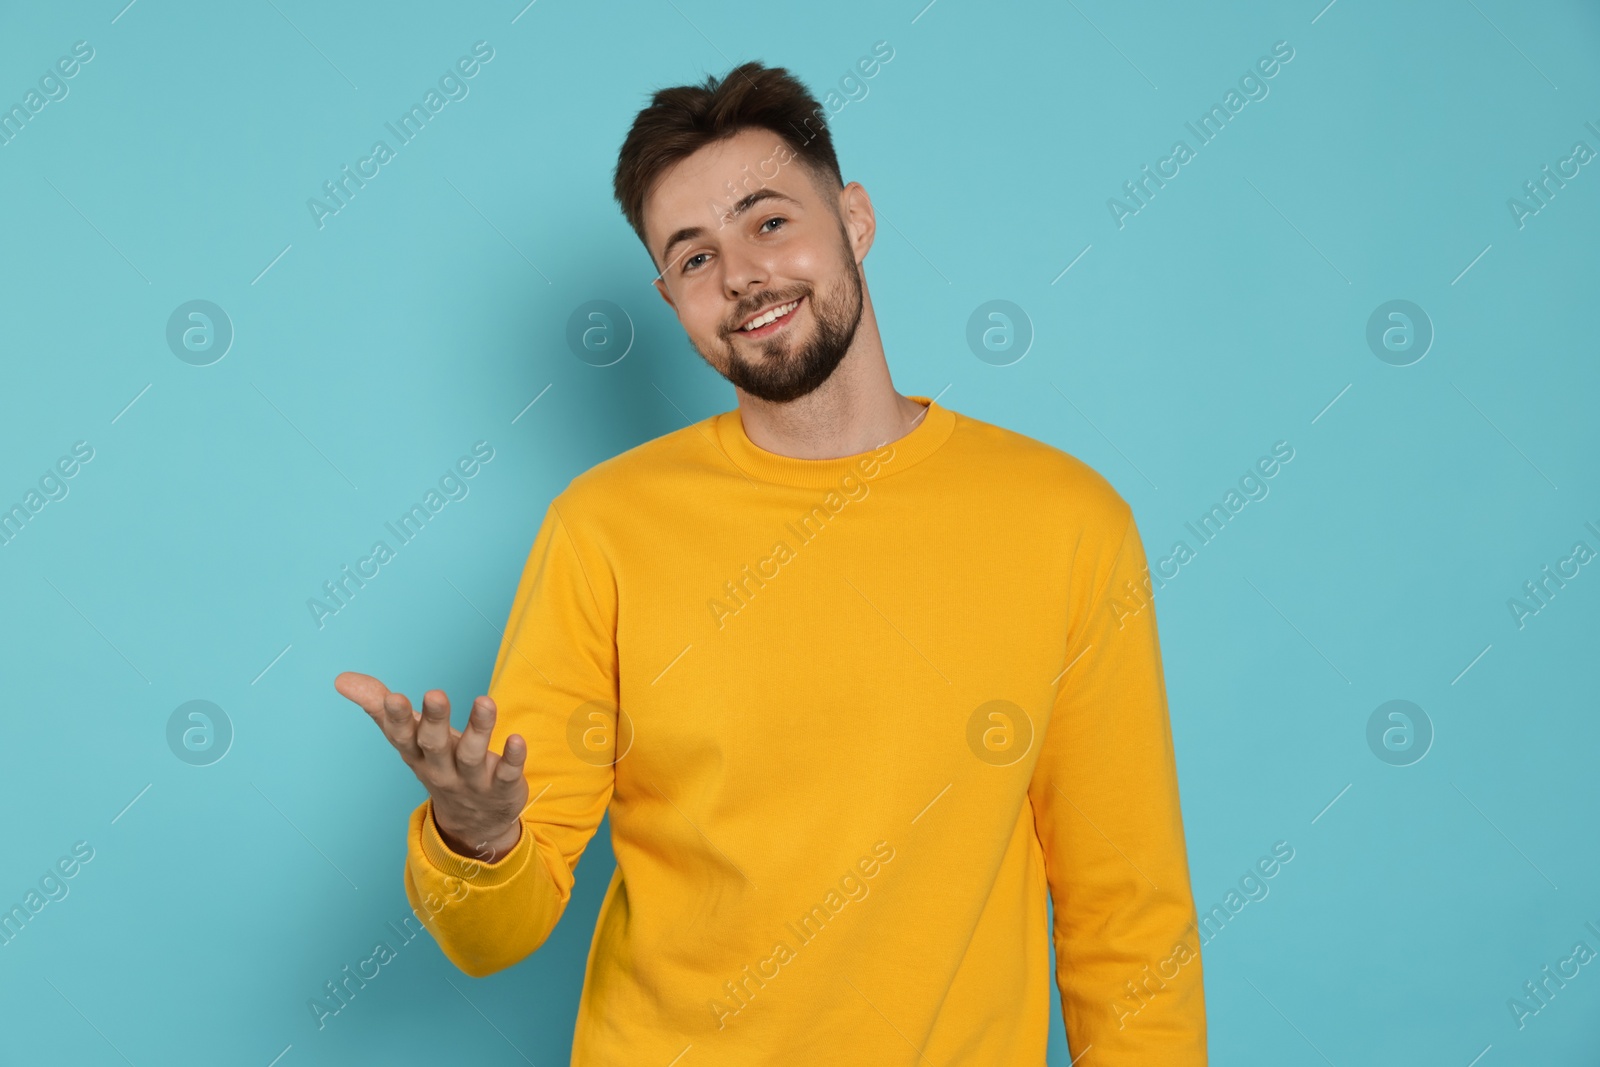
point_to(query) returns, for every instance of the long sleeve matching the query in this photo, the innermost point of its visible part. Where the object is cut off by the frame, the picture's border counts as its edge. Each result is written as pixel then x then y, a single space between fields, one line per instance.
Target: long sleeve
pixel 1106 809
pixel 555 683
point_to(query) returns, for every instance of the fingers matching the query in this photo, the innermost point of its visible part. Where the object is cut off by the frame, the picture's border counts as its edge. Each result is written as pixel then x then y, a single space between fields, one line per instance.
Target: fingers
pixel 473 748
pixel 435 737
pixel 457 767
pixel 508 769
pixel 391 711
pixel 400 727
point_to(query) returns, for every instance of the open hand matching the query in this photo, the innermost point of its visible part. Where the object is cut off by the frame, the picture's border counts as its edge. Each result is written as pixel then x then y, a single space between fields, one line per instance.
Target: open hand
pixel 478 795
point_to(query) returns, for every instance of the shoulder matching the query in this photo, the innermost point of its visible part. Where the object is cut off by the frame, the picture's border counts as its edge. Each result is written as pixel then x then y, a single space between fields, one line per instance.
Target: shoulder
pixel 626 481
pixel 1057 484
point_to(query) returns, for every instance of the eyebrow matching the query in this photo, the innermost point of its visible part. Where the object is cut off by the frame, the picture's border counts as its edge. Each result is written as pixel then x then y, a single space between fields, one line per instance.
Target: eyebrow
pixel 689 233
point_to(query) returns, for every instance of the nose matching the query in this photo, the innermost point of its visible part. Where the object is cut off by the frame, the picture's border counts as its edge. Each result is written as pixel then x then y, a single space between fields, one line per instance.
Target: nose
pixel 743 273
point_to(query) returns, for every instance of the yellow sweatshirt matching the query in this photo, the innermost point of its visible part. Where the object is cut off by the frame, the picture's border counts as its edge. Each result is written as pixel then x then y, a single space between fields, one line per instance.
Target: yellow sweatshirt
pixel 853 720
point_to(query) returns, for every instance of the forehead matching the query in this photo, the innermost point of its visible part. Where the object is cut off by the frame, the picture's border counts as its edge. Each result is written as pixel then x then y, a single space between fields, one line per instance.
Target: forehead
pixel 696 190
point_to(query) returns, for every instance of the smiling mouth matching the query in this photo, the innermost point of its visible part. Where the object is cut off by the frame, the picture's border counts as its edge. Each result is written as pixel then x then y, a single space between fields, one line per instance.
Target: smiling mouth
pixel 772 327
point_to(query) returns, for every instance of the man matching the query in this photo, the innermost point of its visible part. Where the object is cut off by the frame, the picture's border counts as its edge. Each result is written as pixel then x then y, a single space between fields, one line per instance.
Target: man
pixel 861 681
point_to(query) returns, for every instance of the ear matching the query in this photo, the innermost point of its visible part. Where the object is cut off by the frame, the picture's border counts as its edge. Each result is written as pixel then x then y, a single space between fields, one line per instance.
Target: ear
pixel 855 210
pixel 661 287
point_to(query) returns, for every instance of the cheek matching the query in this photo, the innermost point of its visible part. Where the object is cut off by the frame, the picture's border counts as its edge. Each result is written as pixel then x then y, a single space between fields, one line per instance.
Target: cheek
pixel 815 260
pixel 704 313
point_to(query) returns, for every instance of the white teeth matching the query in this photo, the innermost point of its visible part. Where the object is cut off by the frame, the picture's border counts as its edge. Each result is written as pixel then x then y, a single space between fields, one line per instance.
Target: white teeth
pixel 776 313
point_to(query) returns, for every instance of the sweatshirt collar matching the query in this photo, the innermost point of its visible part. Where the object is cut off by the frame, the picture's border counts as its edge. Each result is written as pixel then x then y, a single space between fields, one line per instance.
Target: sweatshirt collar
pixel 932 429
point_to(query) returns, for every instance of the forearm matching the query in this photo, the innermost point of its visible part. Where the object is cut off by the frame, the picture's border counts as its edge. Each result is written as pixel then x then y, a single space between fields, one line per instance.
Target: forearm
pixel 485 916
pixel 1133 988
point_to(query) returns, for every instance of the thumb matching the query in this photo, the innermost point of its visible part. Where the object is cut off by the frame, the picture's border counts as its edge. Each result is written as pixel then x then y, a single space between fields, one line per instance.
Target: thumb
pixel 363 689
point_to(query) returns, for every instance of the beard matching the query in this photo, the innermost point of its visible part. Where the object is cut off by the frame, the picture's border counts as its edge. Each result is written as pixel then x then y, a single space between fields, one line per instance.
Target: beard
pixel 782 372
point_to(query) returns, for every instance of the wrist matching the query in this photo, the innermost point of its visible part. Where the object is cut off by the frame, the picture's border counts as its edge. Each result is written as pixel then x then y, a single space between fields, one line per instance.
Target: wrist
pixel 473 846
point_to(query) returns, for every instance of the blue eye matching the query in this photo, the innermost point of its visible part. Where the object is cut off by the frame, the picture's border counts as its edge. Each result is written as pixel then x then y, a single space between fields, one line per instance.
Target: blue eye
pixel 688 263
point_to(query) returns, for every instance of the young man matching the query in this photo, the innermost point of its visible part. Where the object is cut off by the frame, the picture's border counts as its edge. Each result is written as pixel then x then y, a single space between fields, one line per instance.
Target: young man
pixel 860 680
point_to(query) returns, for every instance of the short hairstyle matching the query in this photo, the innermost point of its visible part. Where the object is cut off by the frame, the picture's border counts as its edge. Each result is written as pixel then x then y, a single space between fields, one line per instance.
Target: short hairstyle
pixel 682 119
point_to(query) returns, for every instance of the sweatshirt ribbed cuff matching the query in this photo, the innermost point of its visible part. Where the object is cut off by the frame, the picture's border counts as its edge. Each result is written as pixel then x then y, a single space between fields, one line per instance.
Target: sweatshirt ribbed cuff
pixel 476 873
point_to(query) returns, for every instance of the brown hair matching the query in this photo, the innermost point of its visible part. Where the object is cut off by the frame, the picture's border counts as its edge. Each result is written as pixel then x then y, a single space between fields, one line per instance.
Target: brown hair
pixel 682 119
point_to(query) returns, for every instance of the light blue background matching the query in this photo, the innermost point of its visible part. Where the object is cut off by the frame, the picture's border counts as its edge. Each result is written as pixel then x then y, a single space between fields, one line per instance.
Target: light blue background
pixel 1230 313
